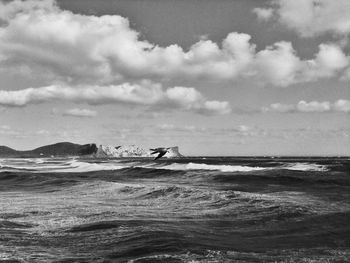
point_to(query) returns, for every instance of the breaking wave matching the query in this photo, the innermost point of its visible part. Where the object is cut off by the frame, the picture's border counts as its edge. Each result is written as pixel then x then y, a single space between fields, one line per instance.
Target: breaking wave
pixel 57 165
pixel 203 166
pixel 65 165
pixel 306 167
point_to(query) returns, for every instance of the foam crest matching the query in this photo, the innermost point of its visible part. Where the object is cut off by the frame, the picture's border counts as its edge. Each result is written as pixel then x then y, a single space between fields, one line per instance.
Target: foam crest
pixel 306 167
pixel 78 166
pixel 62 166
pixel 210 167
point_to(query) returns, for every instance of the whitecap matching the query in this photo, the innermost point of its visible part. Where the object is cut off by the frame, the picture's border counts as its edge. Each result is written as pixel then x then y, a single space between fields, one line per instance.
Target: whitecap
pixel 306 167
pixel 79 166
pixel 210 167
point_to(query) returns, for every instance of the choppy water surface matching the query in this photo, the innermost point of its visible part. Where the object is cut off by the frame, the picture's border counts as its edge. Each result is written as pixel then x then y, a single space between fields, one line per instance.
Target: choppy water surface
pixel 184 210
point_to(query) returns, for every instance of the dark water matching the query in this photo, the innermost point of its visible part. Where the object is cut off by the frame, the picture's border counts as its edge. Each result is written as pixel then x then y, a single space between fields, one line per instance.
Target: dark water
pixel 186 210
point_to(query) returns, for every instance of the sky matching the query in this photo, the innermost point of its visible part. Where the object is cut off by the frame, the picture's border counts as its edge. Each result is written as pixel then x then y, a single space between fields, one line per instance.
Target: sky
pixel 214 77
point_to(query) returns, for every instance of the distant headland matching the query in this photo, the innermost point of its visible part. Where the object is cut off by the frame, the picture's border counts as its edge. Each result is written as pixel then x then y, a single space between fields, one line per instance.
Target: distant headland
pixel 67 149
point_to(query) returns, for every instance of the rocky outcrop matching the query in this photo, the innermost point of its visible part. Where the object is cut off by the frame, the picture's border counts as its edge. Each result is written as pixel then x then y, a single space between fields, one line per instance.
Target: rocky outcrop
pixel 173 153
pixel 104 151
pixel 121 151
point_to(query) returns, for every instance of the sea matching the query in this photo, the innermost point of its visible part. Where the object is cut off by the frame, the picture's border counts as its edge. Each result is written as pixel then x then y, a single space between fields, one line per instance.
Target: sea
pixel 198 209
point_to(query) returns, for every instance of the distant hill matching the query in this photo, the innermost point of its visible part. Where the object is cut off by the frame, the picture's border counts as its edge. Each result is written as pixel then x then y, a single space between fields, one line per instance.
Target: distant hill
pixel 4 150
pixel 57 149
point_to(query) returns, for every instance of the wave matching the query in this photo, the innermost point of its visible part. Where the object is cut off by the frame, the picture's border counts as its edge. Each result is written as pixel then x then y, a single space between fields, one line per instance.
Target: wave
pixel 306 167
pixel 210 167
pixel 58 166
pixel 79 166
pixel 241 168
pixel 65 165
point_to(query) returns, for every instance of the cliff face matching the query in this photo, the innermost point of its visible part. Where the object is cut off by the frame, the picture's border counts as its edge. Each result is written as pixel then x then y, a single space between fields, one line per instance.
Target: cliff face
pixel 132 151
pixel 121 151
pixel 173 152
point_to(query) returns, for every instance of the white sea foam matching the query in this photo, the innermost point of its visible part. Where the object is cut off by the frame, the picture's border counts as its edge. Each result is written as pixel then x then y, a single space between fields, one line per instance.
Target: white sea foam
pixel 306 167
pixel 210 167
pixel 63 165
pixel 79 166
pixel 76 165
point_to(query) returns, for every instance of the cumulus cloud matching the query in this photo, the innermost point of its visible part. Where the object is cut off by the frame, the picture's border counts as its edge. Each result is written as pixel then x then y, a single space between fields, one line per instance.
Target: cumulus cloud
pixel 278 64
pixel 312 106
pixel 76 112
pixel 105 50
pixel 310 17
pixel 148 94
pixel 327 63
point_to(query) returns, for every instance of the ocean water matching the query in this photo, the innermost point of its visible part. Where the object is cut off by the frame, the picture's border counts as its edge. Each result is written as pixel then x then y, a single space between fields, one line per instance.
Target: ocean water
pixel 203 209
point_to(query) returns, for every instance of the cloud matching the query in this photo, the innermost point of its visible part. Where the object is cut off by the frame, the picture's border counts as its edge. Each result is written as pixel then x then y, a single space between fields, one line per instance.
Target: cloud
pixel 43 132
pixel 105 50
pixel 6 130
pixel 263 13
pixel 192 100
pixel 310 18
pixel 327 63
pixel 147 94
pixel 186 128
pixel 312 106
pixel 76 112
pixel 342 105
pixel 278 64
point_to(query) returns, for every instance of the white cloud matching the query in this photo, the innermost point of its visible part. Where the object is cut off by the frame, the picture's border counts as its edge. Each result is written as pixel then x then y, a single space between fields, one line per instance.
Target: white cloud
pixel 105 51
pixel 278 64
pixel 244 128
pixel 145 93
pixel 311 17
pixel 42 132
pixel 312 106
pixel 76 112
pixel 186 128
pixel 279 107
pixel 342 105
pixel 6 130
pixel 263 13
pixel 329 61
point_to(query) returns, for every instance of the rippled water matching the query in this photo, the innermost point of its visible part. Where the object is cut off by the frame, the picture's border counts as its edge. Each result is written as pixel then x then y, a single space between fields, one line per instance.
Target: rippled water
pixel 181 210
